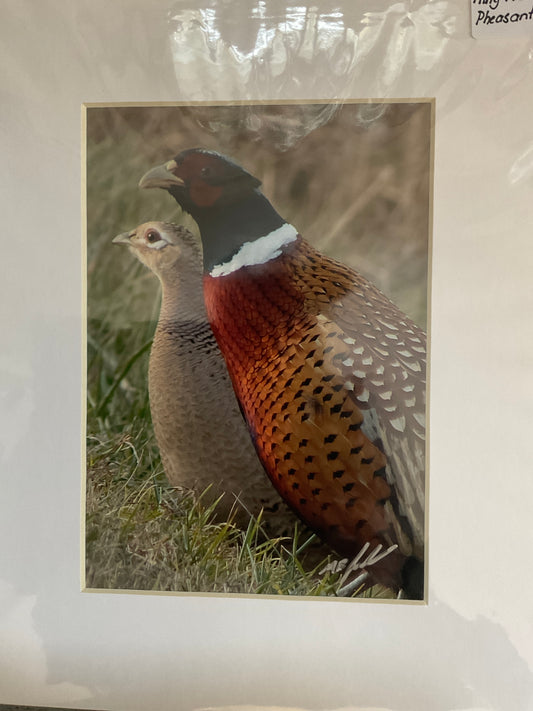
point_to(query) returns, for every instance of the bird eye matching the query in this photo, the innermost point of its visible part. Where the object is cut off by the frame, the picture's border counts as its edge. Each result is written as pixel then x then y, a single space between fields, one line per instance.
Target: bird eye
pixel 207 171
pixel 152 236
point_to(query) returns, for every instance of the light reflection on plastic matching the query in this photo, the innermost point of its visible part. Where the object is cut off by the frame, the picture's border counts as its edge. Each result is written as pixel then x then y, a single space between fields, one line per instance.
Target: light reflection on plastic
pixel 282 45
pixel 522 168
pixel 221 55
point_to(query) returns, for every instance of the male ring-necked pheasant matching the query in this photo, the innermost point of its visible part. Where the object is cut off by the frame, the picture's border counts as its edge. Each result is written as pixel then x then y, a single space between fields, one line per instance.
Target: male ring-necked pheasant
pixel 329 373
pixel 201 434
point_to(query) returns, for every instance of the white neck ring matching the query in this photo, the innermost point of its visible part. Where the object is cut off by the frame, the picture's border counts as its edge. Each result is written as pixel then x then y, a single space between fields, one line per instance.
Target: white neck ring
pixel 259 251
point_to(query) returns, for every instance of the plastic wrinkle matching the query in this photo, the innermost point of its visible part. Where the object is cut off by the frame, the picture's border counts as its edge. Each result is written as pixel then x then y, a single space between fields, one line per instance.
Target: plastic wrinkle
pixel 304 49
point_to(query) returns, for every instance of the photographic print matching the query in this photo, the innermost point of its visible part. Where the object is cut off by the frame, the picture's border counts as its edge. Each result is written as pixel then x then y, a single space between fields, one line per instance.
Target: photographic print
pixel 257 284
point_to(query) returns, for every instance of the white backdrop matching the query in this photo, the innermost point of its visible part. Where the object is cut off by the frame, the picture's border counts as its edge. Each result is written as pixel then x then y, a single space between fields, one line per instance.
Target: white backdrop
pixel 472 646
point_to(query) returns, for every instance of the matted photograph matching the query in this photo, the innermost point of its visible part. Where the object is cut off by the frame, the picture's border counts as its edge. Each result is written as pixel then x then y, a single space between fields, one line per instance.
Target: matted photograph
pixel 257 292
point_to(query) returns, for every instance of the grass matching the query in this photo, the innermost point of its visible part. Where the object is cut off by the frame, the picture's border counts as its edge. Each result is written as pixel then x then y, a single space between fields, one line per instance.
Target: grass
pixel 356 188
pixel 142 534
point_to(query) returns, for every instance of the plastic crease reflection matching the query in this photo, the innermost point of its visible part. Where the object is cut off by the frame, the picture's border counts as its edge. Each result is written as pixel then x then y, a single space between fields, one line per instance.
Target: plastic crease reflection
pixel 216 55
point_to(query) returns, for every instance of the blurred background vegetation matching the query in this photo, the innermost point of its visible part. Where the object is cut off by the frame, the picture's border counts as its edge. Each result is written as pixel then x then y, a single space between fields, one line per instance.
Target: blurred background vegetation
pixel 355 180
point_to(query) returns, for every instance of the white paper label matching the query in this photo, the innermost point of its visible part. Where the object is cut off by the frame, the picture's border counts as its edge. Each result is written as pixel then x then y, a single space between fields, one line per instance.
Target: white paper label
pixel 501 18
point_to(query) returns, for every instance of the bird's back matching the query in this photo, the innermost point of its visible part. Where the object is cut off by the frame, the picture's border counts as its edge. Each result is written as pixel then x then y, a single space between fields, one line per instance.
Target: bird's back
pixel 330 375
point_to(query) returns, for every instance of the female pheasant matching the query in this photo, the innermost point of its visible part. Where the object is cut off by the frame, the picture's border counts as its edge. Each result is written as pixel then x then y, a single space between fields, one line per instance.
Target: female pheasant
pixel 199 429
pixel 329 373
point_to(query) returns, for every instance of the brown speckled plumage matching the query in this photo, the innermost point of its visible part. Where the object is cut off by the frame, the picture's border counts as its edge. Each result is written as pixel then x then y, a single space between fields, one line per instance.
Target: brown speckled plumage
pixel 200 431
pixel 329 373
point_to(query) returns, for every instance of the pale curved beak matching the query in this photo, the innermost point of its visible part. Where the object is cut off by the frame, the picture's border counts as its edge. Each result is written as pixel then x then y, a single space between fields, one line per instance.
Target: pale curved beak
pixel 123 238
pixel 161 177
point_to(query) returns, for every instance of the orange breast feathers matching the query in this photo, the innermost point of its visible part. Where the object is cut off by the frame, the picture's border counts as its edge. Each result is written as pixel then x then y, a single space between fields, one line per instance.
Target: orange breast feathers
pixel 301 336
